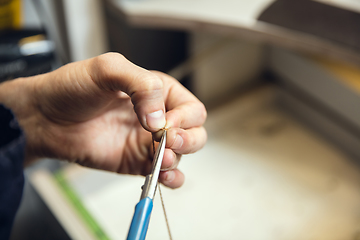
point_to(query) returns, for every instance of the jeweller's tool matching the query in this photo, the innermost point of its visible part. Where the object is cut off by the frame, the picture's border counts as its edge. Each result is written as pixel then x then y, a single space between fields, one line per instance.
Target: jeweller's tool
pixel 141 218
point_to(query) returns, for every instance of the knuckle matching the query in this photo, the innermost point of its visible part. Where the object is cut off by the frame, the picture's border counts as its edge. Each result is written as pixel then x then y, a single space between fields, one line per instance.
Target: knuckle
pixel 110 56
pixel 164 77
pixel 197 139
pixel 103 69
pixel 203 112
pixel 192 142
pixel 147 82
pixel 205 137
pixel 105 60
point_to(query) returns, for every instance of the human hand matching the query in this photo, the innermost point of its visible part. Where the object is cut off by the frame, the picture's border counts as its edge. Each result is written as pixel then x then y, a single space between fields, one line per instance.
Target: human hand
pixel 101 112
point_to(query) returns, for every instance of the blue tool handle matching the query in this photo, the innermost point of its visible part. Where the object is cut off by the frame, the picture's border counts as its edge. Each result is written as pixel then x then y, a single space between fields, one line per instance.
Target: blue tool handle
pixel 140 221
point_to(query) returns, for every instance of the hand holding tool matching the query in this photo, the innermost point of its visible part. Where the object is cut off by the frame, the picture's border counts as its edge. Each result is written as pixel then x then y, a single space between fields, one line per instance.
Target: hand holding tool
pixel 141 218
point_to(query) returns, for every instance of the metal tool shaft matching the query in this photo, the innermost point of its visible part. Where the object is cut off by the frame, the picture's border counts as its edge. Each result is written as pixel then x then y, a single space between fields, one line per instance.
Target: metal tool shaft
pixel 151 180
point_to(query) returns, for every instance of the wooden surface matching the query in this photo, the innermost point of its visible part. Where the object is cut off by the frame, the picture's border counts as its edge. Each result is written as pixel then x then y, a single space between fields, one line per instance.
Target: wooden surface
pixel 230 17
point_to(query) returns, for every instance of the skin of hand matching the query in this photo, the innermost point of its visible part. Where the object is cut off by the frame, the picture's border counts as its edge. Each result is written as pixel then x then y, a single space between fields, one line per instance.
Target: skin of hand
pixel 103 112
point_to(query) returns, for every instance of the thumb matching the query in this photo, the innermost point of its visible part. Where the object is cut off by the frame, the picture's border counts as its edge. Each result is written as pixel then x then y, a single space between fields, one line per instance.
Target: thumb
pixel 113 72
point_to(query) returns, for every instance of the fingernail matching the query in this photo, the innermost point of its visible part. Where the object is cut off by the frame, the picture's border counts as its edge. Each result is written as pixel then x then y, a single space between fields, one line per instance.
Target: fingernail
pixel 170 176
pixel 178 142
pixel 156 120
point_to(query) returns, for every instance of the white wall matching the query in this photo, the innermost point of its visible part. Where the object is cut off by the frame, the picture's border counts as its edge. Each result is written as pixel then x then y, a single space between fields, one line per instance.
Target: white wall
pixel 86 31
pixel 231 64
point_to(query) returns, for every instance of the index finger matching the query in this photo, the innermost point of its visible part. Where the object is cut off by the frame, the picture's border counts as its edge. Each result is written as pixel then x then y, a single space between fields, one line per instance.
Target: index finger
pixel 112 72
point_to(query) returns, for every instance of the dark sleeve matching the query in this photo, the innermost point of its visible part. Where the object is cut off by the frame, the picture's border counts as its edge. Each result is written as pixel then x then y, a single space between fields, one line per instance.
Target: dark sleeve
pixel 12 146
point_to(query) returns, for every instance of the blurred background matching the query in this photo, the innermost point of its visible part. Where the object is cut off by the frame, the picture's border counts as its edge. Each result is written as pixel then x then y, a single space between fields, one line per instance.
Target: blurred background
pixel 280 80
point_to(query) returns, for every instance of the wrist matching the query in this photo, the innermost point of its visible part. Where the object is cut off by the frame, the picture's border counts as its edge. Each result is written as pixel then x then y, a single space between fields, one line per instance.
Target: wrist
pixel 17 96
